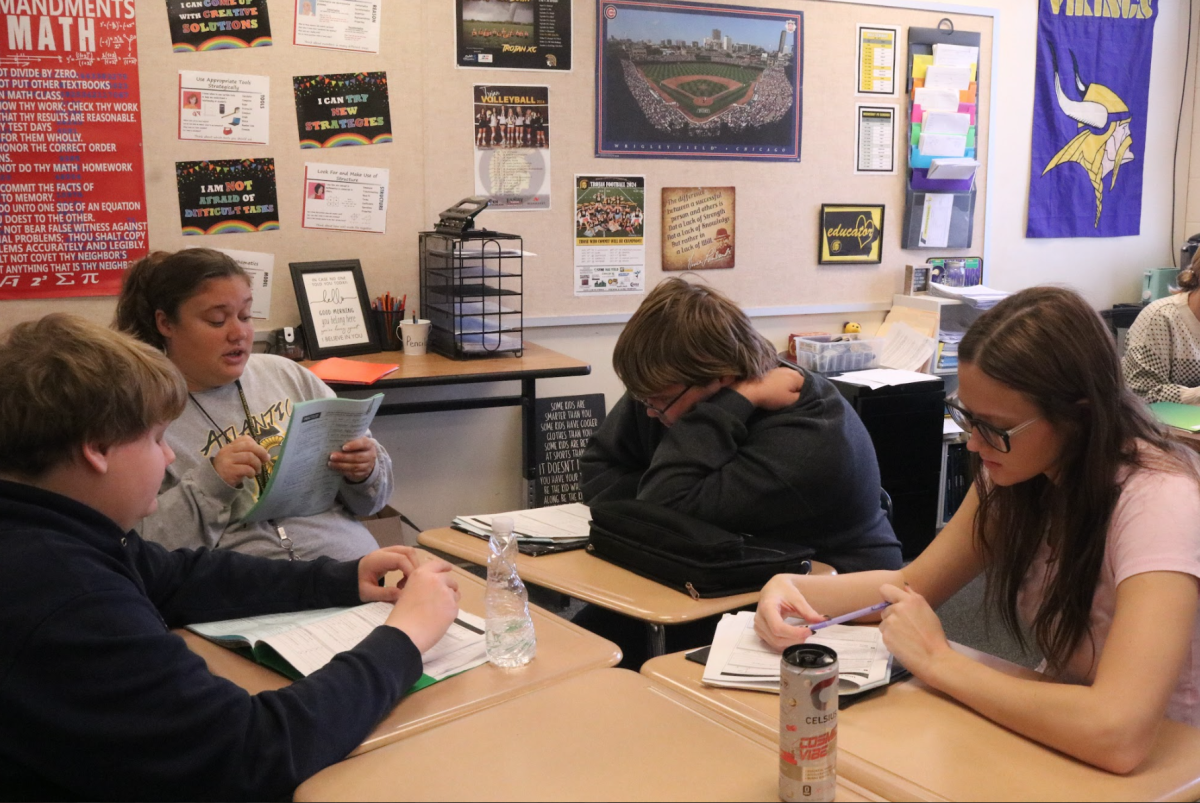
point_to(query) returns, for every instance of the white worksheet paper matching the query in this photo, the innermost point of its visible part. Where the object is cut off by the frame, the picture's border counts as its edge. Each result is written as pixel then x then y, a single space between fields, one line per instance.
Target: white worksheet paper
pixel 944 77
pixel 955 55
pixel 259 267
pixel 906 348
pixel 938 100
pixel 951 145
pixel 338 24
pixel 740 659
pixel 955 123
pixel 224 107
pixel 345 198
pixel 935 219
pixel 569 522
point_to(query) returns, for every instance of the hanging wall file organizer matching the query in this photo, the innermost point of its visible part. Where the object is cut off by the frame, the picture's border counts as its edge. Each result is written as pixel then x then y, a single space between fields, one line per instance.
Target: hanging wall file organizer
pixel 919 187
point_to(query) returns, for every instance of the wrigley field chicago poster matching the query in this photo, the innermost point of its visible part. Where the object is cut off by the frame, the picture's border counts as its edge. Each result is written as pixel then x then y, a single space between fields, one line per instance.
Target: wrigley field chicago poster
pixel 698 81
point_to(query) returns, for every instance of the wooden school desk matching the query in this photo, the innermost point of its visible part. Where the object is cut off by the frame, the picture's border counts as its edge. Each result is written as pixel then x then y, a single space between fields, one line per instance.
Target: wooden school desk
pixel 563 650
pixel 425 370
pixel 605 735
pixel 577 574
pixel 909 742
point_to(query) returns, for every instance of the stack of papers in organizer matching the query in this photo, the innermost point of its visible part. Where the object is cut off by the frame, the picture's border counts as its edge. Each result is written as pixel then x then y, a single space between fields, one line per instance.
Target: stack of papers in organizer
pixel 978 296
pixel 560 525
pixel 739 659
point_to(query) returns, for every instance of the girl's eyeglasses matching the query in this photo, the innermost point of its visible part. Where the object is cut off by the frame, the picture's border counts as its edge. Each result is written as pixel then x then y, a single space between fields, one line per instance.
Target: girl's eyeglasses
pixel 998 439
pixel 662 410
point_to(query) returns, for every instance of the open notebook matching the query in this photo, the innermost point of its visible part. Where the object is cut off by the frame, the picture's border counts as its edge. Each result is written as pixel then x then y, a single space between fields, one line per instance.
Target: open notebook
pixel 739 659
pixel 297 644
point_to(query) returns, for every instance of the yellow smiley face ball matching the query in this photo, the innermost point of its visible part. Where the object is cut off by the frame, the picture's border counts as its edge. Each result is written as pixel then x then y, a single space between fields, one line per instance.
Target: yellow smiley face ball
pixel 851 328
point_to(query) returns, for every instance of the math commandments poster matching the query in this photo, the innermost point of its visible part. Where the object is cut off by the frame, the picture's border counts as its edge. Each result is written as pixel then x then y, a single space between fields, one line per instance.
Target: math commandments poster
pixel 72 193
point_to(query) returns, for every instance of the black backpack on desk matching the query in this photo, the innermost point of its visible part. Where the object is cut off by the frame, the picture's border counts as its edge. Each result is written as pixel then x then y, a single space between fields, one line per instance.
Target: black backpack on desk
pixel 693 556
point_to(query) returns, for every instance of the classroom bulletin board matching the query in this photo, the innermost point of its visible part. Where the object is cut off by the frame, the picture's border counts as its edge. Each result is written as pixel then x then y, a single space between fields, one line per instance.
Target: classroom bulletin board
pixel 429 160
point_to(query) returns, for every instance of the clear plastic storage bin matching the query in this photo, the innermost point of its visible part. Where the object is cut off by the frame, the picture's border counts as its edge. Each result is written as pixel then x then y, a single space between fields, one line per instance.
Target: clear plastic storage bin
pixel 831 354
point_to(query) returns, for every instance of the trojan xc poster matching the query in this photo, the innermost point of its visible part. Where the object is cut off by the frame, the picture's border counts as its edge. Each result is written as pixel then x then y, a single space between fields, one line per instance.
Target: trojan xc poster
pixel 1089 117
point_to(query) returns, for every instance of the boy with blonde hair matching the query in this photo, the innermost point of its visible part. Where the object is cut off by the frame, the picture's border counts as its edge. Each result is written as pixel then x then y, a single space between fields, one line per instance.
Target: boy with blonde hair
pixel 98 699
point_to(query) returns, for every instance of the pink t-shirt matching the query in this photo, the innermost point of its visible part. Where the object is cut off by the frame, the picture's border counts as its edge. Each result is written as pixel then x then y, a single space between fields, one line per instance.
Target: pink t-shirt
pixel 1155 528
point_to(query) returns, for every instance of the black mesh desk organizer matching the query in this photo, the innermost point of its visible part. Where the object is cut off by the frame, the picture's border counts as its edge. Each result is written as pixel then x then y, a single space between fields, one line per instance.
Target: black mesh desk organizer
pixel 471 291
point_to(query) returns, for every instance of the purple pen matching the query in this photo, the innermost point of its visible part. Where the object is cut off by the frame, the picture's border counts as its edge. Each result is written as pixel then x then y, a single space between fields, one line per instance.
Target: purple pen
pixel 846 617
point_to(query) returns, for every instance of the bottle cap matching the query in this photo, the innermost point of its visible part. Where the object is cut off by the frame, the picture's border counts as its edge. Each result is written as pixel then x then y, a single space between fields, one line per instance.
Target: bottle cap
pixel 502 525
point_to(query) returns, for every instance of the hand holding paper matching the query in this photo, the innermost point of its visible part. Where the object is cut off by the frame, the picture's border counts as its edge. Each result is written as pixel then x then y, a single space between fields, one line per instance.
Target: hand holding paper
pixel 302 483
pixel 355 460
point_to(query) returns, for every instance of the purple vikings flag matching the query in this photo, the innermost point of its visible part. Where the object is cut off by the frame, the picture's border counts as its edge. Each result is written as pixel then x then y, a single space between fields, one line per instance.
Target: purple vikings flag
pixel 1089 117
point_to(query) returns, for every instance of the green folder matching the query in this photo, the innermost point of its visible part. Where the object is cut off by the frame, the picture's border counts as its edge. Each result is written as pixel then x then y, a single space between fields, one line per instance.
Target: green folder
pixel 1179 416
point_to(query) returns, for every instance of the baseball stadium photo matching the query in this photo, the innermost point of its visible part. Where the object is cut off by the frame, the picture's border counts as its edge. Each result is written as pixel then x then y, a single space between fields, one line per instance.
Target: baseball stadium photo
pixel 699 83
pixel 491 23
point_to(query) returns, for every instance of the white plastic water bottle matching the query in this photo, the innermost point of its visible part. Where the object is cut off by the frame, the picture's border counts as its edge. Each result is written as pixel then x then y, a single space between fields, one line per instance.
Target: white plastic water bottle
pixel 509 635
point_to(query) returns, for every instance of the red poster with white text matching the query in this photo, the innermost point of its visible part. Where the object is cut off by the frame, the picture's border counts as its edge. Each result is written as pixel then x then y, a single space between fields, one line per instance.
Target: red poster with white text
pixel 72 187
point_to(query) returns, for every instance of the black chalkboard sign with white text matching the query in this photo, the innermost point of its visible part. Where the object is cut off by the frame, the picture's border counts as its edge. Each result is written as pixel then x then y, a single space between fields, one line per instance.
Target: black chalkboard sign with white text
pixel 564 425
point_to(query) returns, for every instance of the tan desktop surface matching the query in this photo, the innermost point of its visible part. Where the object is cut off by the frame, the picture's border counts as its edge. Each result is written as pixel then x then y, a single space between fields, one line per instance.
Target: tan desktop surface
pixel 609 734
pixel 562 650
pixel 909 742
pixel 534 358
pixel 582 576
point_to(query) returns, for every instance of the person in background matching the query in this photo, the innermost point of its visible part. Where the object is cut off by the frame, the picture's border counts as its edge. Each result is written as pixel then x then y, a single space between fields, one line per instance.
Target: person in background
pixel 98 699
pixel 1084 518
pixel 195 305
pixel 1162 349
pixel 712 426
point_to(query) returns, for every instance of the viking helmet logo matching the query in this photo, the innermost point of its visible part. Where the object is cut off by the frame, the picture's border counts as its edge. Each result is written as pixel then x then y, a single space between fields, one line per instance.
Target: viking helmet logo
pixel 1097 153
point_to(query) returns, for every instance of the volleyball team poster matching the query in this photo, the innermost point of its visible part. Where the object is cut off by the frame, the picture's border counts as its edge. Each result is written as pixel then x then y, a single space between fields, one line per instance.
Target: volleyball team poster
pixel 698 81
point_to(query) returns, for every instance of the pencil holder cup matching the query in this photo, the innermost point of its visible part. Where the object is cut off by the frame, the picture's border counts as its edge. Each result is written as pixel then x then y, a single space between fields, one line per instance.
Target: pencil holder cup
pixel 416 336
pixel 387 325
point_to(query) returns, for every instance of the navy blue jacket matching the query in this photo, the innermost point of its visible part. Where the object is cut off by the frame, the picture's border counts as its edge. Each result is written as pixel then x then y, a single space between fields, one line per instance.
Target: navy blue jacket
pixel 98 700
pixel 806 473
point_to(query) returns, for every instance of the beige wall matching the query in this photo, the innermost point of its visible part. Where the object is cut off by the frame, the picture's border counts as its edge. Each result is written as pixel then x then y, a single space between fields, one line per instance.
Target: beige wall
pixel 458 462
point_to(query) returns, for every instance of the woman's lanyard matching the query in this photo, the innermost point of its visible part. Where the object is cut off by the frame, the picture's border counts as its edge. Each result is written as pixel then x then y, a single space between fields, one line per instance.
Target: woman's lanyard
pixel 261 477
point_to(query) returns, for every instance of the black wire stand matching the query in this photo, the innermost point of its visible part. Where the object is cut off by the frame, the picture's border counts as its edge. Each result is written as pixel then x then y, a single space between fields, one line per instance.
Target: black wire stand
pixel 472 285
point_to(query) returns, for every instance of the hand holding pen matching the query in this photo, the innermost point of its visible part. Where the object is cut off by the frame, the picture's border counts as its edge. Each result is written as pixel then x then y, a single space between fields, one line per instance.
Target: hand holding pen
pixel 913 633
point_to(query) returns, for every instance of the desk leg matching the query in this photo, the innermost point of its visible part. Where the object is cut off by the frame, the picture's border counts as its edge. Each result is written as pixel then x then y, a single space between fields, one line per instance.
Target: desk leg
pixel 656 639
pixel 528 436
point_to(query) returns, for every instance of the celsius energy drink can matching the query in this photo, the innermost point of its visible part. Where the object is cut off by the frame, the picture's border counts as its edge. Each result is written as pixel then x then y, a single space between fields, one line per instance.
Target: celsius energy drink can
pixel 808 708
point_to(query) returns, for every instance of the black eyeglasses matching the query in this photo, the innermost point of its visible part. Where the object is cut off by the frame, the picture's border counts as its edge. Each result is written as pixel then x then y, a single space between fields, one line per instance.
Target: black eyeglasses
pixel 662 410
pixel 993 436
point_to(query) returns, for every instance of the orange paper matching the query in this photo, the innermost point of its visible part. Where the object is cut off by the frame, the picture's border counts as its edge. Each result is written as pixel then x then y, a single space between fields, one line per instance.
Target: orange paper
pixel 351 372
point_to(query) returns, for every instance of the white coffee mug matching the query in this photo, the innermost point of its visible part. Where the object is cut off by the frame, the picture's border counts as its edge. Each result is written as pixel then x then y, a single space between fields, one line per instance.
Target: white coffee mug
pixel 415 335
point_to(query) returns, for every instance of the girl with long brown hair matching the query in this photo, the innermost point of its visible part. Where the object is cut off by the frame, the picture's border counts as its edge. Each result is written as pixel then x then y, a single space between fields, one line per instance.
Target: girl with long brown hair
pixel 1085 520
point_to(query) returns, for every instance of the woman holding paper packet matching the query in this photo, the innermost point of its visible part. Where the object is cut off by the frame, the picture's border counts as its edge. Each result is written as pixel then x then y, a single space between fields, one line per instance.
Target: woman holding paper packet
pixel 195 305
pixel 1085 519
